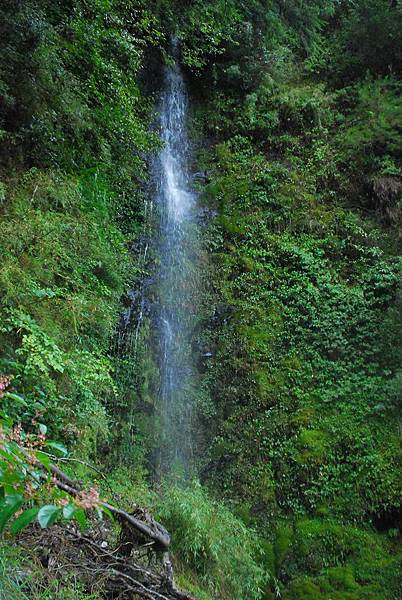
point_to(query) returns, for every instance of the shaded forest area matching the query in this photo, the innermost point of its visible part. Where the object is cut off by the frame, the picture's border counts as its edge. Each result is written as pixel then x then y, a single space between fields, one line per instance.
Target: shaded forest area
pixel 296 124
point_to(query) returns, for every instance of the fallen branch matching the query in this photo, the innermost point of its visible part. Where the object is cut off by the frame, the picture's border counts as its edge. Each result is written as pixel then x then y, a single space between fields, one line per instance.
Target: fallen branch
pixel 147 527
pixel 168 568
pixel 80 462
pixel 155 532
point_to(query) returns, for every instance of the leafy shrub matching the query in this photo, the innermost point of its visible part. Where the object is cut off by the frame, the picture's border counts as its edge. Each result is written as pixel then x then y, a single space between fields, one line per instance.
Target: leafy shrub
pixel 209 539
pixel 28 491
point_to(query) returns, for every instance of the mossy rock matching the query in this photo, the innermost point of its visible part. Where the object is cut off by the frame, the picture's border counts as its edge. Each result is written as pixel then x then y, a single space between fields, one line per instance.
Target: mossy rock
pixel 338 583
pixel 343 562
pixel 321 589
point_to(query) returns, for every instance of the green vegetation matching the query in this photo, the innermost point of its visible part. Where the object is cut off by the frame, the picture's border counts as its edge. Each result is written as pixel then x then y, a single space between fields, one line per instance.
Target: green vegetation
pixel 74 131
pixel 213 543
pixel 22 577
pixel 296 118
pixel 303 313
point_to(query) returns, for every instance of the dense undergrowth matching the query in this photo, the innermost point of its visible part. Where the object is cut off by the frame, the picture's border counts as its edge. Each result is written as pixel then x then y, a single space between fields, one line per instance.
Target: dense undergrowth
pixel 303 314
pixel 296 124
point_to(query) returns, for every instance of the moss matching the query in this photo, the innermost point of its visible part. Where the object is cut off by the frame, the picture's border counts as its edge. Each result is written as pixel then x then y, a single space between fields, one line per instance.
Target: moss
pixel 342 578
pixel 283 539
pixel 304 590
pixel 232 225
pixel 312 445
pixel 342 561
pixel 247 263
pixel 303 416
pixel 338 583
pixel 268 556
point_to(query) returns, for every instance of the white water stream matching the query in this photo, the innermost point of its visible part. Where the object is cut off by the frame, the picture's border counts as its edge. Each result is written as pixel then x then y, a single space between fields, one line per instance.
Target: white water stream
pixel 177 275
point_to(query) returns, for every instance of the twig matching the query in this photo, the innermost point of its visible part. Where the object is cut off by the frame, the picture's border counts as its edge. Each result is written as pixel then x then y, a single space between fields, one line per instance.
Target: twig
pixel 116 558
pixel 147 592
pixel 160 536
pixel 88 465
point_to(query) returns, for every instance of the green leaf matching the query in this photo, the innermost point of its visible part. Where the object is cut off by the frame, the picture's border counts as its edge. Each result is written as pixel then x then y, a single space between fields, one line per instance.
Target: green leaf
pixel 57 446
pixel 47 515
pixel 8 506
pixel 42 428
pixel 18 399
pixel 11 477
pixel 79 515
pixel 69 511
pixel 107 512
pixel 23 520
pixel 43 458
pixel 44 293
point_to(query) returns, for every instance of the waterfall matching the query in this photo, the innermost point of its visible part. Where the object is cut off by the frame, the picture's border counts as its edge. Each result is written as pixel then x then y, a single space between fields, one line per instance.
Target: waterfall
pixel 156 328
pixel 177 275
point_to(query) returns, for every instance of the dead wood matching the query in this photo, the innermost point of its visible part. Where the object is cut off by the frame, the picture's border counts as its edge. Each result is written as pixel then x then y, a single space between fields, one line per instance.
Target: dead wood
pixel 100 569
pixel 122 571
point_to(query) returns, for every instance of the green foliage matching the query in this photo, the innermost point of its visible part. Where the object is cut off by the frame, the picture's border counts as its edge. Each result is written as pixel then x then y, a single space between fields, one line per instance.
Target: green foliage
pixel 368 39
pixel 341 562
pixel 302 313
pixel 303 304
pixel 77 103
pixel 212 542
pixel 64 268
pixel 43 368
pixel 378 115
pixel 22 577
pixel 25 473
pixel 298 366
pixel 74 129
pixel 207 27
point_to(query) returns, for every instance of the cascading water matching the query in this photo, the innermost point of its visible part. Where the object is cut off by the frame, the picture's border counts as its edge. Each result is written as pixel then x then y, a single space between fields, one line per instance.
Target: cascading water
pixel 157 326
pixel 177 276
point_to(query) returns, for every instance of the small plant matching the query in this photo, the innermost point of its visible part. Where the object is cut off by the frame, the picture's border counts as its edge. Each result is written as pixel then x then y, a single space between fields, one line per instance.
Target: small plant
pixel 29 490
